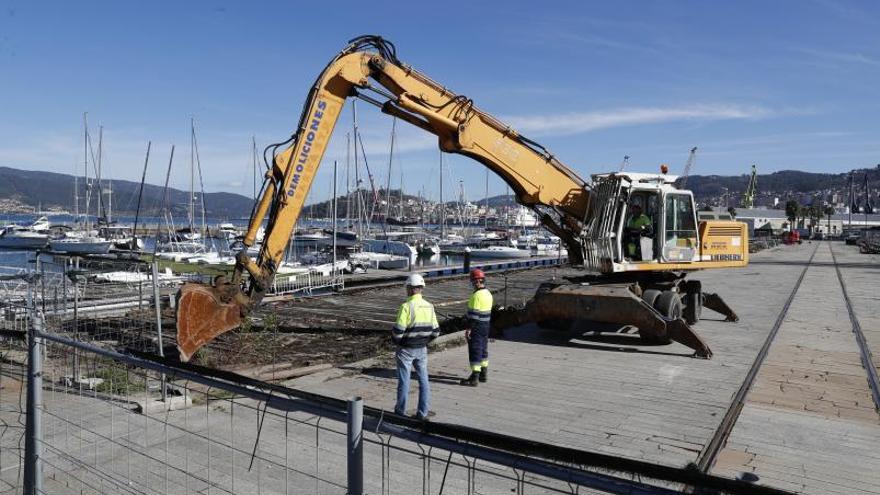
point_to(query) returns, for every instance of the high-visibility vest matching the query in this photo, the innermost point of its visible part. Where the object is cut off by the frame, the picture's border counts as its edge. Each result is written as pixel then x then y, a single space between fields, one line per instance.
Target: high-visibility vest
pixel 480 307
pixel 416 323
pixel 639 221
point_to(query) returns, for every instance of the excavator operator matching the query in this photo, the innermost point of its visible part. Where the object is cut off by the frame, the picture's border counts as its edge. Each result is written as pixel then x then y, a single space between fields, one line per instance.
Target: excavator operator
pixel 638 226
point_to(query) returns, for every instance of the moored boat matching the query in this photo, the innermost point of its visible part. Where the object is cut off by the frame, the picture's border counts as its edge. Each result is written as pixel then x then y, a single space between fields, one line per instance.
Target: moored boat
pixel 81 245
pixel 15 237
pixel 500 252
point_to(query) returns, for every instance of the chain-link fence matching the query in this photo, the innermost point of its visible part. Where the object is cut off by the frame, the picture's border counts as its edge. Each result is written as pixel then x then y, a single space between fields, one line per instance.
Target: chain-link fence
pixel 108 410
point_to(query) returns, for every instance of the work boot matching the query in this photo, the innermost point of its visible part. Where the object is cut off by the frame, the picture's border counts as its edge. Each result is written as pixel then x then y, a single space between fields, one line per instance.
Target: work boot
pixel 484 374
pixel 472 380
pixel 426 417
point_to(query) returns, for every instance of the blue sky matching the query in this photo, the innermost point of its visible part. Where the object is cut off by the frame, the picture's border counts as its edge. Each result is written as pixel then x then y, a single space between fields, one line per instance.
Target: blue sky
pixel 784 84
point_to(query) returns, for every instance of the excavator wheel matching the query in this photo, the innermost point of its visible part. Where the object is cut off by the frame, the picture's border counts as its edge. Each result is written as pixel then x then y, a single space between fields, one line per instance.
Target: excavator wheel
pixel 650 296
pixel 668 304
pixel 693 307
pixel 693 301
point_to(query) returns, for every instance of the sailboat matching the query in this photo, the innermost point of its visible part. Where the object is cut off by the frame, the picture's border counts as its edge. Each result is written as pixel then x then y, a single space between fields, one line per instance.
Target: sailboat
pixel 85 241
pixel 187 242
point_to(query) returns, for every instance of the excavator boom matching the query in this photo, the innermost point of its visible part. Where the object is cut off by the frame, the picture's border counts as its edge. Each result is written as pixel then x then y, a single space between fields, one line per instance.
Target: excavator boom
pixel 369 65
pixel 368 68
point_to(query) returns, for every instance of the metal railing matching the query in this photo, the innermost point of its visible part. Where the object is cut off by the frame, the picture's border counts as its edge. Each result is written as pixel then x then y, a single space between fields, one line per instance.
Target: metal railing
pixel 307 282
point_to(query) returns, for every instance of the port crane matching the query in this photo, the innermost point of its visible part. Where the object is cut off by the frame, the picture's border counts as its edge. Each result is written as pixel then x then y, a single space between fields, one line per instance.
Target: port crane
pixel 692 157
pixel 748 200
pixel 630 276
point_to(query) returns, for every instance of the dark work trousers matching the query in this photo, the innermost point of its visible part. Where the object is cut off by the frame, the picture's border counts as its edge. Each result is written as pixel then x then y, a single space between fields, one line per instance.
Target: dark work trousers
pixel 478 345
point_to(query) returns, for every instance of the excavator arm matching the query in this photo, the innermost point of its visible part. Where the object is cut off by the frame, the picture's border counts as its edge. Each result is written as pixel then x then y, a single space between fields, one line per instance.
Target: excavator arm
pixel 368 68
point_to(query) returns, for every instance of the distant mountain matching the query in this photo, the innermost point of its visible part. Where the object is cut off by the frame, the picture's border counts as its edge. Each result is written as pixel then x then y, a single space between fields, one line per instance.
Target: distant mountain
pixel 324 209
pixel 48 190
pixel 784 181
pixel 498 201
pixel 53 190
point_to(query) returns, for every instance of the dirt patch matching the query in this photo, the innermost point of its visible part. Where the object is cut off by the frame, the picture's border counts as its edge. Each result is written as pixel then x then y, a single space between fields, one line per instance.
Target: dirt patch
pixel 260 346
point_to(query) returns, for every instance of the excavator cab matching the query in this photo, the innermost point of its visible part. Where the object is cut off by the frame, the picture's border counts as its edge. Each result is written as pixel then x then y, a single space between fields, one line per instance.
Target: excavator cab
pixel 654 224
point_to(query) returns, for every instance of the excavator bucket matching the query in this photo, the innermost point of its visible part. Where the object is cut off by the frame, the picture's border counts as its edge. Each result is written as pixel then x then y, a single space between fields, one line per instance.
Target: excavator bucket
pixel 202 316
pixel 608 304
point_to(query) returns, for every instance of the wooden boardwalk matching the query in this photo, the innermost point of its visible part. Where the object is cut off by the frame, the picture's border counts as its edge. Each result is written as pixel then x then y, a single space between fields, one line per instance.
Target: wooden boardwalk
pixel 809 424
pixel 612 394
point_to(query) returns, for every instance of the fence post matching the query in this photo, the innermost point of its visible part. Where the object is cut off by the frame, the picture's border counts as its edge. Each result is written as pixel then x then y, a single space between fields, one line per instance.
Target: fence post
pixel 33 468
pixel 158 303
pixel 355 446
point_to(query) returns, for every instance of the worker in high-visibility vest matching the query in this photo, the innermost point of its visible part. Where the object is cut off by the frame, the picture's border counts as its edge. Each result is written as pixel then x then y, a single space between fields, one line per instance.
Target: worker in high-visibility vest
pixel 638 225
pixel 416 325
pixel 479 317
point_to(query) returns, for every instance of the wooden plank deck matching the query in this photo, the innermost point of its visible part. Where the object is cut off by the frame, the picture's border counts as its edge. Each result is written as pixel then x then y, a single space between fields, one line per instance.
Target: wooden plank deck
pixel 606 393
pixel 861 273
pixel 809 423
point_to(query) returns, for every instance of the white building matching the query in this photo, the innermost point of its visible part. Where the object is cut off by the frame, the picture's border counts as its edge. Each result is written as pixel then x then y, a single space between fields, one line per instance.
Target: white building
pixel 769 219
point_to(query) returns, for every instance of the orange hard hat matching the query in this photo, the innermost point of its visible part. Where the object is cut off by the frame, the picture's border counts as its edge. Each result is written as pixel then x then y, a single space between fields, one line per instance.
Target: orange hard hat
pixel 477 274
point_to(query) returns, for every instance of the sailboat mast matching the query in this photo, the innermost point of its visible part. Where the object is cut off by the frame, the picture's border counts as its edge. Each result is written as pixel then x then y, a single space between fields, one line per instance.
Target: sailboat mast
pixel 388 183
pixel 359 205
pixel 75 194
pixel 254 159
pixel 101 211
pixel 507 197
pixel 486 217
pixel 335 236
pixel 462 205
pixel 137 211
pixel 86 164
pixel 442 204
pixel 192 174
pixel 109 189
pixel 201 187
pixel 347 180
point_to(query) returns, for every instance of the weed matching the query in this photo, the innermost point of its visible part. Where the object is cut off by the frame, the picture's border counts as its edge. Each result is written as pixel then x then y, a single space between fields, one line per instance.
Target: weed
pixel 270 322
pixel 118 380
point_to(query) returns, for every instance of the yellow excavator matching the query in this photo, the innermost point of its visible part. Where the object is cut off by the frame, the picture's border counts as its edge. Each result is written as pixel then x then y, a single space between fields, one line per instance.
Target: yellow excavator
pixel 635 235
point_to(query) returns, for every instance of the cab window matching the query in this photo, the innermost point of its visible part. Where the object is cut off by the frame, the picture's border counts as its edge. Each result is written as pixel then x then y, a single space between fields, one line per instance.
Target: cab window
pixel 680 236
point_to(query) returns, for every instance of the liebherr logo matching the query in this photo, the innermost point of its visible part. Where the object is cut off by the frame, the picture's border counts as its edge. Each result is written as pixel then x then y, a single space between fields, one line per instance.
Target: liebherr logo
pixel 311 134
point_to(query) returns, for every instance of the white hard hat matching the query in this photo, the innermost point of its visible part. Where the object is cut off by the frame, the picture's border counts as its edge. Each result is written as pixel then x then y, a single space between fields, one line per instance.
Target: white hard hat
pixel 415 280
